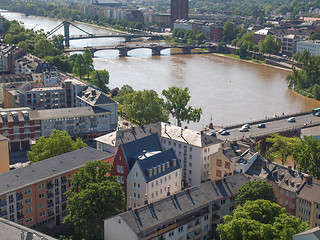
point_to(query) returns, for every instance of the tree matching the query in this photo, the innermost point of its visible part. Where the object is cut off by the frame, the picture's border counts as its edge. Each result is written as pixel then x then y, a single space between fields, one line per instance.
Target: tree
pixel 281 147
pixel 58 143
pixel 269 45
pixel 144 107
pixel 315 36
pixel 87 56
pixel 125 90
pixel 229 31
pixel 260 219
pixel 221 47
pixel 100 78
pixel 254 190
pixel 79 67
pixel 58 43
pixel 177 100
pixel 95 195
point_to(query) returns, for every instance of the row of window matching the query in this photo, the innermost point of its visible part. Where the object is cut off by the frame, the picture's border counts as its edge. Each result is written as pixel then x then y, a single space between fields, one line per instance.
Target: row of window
pixel 219 164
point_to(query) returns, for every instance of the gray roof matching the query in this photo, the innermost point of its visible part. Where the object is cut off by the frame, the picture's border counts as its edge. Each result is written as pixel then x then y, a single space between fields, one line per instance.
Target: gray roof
pixel 157 159
pixel 94 97
pixel 69 112
pixel 11 230
pixel 261 168
pixel 167 210
pixel 36 172
pixel 310 191
pixel 132 149
pixel 164 130
pixel 14 78
pixel 314 231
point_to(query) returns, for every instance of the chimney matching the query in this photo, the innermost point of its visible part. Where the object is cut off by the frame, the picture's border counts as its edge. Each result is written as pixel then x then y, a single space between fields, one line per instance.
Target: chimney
pixel 289 168
pixel 168 193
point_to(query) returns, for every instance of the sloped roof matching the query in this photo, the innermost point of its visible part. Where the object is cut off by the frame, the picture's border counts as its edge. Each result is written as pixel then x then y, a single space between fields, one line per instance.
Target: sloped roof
pixel 311 191
pixel 313 231
pixel 157 159
pixel 94 97
pixel 167 210
pixel 132 149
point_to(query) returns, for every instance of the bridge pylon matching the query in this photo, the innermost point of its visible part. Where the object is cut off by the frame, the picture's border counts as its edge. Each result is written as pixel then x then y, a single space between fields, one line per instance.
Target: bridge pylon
pixel 66 26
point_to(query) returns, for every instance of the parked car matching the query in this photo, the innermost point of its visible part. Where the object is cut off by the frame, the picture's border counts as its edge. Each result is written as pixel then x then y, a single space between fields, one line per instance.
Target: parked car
pixel 225 132
pixel 244 129
pixel 125 123
pixel 292 119
pixel 221 130
pixel 213 134
pixel 246 126
pixel 261 125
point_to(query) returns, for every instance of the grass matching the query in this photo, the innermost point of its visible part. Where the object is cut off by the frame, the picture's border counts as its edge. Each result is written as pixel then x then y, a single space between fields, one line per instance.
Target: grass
pixel 245 59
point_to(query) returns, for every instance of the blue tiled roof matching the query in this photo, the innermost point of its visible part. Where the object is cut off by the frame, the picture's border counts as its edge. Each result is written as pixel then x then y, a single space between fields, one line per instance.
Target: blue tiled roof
pixel 132 149
pixel 158 159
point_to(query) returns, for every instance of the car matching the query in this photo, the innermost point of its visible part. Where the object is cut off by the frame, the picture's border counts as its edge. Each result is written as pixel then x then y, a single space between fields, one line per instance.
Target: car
pixel 317 114
pixel 246 126
pixel 125 123
pixel 213 134
pixel 292 119
pixel 261 125
pixel 221 130
pixel 244 129
pixel 225 132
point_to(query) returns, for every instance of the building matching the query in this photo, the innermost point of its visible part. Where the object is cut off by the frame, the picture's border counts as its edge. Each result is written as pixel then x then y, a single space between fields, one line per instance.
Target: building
pixel 308 202
pixel 36 194
pixel 313 47
pixel 12 230
pixel 311 234
pixel 4 153
pixel 190 214
pixel 153 175
pixel 192 148
pixel 289 44
pixel 179 10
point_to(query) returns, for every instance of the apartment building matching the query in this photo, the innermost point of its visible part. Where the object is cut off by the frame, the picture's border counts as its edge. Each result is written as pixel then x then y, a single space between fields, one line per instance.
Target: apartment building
pixel 192 148
pixel 308 202
pixel 36 194
pixel 313 47
pixel 190 214
pixel 152 176
pixel 289 44
pixel 4 153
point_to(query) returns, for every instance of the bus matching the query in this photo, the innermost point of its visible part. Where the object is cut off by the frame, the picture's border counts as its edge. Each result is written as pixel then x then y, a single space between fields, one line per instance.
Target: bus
pixel 314 111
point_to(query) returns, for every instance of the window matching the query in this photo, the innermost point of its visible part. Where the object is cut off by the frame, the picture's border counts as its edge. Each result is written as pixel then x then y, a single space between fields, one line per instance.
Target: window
pixel 42 214
pixel 120 169
pixel 152 195
pixel 42 205
pixel 206 217
pixel 218 173
pixel 29 220
pixel 227 165
pixel 219 162
pixel 27 191
pixel 41 195
pixel 41 186
pixel 180 229
pixel 138 185
pixel 29 210
pixel 134 185
pixel 136 175
pixel 223 202
pixel 28 200
pixel 171 234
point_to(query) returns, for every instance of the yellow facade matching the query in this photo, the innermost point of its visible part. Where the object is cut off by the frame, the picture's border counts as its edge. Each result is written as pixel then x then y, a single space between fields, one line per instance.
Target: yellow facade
pixel 220 165
pixel 4 154
pixel 308 211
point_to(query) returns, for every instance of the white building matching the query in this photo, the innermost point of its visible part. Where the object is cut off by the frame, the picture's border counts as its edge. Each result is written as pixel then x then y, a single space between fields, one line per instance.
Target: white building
pixel 313 47
pixel 191 147
pixel 153 176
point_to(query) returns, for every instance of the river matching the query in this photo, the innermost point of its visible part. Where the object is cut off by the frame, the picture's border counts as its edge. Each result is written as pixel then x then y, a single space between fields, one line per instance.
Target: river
pixel 229 90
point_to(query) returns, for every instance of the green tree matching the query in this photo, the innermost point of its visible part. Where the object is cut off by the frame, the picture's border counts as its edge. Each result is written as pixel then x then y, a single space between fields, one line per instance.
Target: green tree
pixel 315 36
pixel 100 78
pixel 269 45
pixel 221 47
pixel 87 56
pixel 79 67
pixel 254 190
pixel 58 143
pixel 281 147
pixel 144 107
pixel 260 219
pixel 316 91
pixel 95 195
pixel 125 90
pixel 176 104
pixel 58 43
pixel 229 31
pixel 43 48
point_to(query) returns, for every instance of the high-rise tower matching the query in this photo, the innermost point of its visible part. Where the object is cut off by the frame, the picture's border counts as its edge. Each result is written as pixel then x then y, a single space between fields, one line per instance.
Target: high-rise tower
pixel 179 10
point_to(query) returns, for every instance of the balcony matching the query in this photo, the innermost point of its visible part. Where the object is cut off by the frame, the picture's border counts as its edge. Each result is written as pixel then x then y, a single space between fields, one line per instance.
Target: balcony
pixel 49 186
pixel 50 205
pixel 63 181
pixel 215 218
pixel 50 195
pixel 50 214
pixel 19 207
pixel 19 196
pixel 3 203
pixel 20 216
pixel 3 214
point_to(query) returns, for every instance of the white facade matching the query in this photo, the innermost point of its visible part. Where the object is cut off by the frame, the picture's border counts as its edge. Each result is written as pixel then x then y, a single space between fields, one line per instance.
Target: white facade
pixel 243 165
pixel 312 47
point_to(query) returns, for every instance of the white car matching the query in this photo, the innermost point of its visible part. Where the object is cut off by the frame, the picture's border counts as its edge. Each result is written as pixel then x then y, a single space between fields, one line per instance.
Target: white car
pixel 221 130
pixel 292 119
pixel 213 134
pixel 246 126
pixel 225 132
pixel 244 129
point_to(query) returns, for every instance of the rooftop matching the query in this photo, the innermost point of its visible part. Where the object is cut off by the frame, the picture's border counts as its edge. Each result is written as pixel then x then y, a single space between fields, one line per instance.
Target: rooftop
pixel 313 231
pixel 95 97
pixel 55 166
pixel 152 216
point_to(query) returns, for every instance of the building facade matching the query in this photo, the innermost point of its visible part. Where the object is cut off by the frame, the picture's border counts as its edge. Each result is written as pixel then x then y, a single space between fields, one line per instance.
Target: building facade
pixel 313 47
pixel 36 194
pixel 179 10
pixel 4 153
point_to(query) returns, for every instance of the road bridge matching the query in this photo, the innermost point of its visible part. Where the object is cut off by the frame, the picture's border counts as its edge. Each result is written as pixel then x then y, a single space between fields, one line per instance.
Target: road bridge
pixel 272 125
pixel 155 48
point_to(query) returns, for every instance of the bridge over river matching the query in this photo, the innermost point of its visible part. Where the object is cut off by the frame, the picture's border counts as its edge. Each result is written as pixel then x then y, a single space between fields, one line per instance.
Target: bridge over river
pixel 155 48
